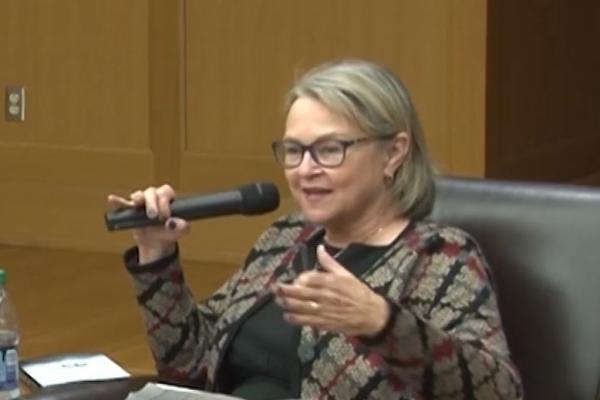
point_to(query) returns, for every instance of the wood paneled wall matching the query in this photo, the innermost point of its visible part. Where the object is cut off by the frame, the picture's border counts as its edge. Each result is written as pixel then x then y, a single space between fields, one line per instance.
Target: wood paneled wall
pixel 124 94
pixel 85 69
pixel 242 57
pixel 543 89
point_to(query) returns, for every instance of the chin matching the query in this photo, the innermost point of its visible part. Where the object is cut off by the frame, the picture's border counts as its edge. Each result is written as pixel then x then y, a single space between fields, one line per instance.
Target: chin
pixel 316 216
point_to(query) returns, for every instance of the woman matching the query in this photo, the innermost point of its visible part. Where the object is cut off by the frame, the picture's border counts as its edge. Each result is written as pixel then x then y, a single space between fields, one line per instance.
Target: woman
pixel 356 297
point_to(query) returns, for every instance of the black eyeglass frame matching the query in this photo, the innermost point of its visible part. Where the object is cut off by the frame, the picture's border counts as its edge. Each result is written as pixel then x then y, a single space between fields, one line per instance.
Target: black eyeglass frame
pixel 311 148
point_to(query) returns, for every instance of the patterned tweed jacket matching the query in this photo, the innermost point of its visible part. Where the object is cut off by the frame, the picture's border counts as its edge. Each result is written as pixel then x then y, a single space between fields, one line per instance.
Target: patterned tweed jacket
pixel 444 339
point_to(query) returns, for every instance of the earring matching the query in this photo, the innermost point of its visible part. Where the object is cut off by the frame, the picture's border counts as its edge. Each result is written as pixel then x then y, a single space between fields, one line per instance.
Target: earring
pixel 388 180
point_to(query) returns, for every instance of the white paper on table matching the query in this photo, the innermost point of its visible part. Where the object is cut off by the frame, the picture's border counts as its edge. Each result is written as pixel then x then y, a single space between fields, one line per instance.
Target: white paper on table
pixel 160 391
pixel 72 368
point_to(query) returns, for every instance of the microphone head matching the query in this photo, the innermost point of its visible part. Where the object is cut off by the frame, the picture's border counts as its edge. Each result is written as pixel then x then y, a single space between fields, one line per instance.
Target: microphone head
pixel 259 198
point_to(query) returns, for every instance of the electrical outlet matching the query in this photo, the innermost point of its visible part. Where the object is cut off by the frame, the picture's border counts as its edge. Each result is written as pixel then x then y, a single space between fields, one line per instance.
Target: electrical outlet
pixel 14 101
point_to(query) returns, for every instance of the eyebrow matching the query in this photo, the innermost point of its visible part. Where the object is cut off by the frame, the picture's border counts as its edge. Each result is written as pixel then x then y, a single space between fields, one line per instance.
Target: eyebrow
pixel 325 136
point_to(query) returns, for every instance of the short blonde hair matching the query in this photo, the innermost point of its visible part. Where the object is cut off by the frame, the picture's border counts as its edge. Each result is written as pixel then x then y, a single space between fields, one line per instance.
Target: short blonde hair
pixel 378 103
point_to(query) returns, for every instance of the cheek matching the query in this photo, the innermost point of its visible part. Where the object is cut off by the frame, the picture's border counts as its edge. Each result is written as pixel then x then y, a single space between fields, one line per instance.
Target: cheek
pixel 342 178
pixel 362 181
pixel 291 177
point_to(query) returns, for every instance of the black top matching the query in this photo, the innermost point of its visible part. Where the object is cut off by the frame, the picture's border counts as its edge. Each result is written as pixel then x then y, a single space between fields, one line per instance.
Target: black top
pixel 262 361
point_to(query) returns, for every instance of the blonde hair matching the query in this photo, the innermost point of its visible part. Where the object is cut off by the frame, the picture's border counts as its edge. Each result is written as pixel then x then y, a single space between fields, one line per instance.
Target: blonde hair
pixel 377 101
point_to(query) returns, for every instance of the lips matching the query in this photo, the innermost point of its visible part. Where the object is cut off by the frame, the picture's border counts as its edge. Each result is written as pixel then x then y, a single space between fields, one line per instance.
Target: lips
pixel 315 190
pixel 315 193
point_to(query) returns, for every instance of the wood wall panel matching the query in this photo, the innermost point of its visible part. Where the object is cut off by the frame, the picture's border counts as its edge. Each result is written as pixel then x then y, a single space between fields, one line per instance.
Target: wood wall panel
pixel 466 77
pixel 241 57
pixel 167 87
pixel 84 65
pixel 542 113
pixel 236 83
pixel 62 166
pixel 126 94
pixel 71 301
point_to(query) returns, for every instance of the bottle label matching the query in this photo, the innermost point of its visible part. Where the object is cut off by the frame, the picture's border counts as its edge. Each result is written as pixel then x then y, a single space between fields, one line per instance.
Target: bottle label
pixel 9 369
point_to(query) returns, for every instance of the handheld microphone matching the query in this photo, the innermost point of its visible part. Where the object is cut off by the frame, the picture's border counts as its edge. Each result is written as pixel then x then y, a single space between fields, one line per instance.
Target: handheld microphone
pixel 250 199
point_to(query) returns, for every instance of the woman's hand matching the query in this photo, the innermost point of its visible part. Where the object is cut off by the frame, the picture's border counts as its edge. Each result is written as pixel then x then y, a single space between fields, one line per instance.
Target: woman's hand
pixel 154 242
pixel 333 300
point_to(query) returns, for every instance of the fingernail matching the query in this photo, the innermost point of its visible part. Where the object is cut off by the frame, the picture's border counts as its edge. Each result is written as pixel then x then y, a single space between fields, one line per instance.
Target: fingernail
pixel 172 225
pixel 151 213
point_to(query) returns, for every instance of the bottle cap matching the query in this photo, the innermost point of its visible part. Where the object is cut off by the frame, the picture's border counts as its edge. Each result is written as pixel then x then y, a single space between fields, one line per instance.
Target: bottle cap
pixel 2 276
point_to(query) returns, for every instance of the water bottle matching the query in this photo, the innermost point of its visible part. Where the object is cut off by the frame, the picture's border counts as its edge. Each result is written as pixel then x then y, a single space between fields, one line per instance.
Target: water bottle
pixel 9 340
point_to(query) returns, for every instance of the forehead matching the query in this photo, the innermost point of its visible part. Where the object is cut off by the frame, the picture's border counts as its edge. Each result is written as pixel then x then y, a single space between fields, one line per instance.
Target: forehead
pixel 309 119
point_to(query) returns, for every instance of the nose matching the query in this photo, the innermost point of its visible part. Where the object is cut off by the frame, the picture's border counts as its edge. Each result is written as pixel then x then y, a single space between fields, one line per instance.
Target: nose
pixel 308 165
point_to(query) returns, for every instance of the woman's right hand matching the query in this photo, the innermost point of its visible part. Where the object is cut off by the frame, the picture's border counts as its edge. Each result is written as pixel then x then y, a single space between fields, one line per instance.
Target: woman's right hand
pixel 154 242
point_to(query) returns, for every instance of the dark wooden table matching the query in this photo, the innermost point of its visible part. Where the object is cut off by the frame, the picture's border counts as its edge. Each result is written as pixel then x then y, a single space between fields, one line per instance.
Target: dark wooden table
pixel 114 389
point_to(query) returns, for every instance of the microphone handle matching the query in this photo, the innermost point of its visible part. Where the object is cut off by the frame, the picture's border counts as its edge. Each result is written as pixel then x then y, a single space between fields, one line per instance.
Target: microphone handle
pixel 196 207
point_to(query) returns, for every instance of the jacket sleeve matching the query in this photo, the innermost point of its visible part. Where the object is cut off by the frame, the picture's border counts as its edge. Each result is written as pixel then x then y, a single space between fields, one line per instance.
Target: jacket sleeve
pixel 444 339
pixel 178 330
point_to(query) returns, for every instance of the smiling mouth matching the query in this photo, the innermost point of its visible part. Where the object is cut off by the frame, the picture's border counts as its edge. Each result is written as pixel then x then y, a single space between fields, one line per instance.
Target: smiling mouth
pixel 315 193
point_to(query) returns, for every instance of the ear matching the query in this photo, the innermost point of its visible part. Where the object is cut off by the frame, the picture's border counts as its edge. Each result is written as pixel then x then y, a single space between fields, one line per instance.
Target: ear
pixel 397 151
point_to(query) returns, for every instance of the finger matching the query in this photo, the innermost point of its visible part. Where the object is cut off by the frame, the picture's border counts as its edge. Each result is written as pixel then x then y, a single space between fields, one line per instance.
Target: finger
pixel 314 321
pixel 321 323
pixel 309 278
pixel 324 321
pixel 330 264
pixel 177 226
pixel 302 307
pixel 115 201
pixel 299 292
pixel 165 195
pixel 151 202
pixel 138 198
pixel 330 296
pixel 322 280
pixel 166 191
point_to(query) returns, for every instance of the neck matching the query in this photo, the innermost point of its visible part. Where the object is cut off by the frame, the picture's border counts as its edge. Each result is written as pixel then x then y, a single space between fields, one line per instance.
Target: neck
pixel 369 229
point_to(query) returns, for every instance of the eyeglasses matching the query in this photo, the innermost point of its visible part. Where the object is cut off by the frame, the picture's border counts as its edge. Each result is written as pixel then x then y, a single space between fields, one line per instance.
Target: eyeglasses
pixel 326 152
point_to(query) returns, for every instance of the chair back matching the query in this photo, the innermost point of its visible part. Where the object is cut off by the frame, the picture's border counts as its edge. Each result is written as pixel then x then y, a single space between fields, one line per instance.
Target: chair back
pixel 542 242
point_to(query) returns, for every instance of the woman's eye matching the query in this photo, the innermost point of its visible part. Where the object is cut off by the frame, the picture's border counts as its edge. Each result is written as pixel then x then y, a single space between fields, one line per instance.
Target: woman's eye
pixel 329 149
pixel 292 150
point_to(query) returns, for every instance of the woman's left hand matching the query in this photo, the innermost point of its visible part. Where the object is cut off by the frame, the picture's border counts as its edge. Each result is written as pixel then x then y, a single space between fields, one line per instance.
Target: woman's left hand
pixel 332 299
